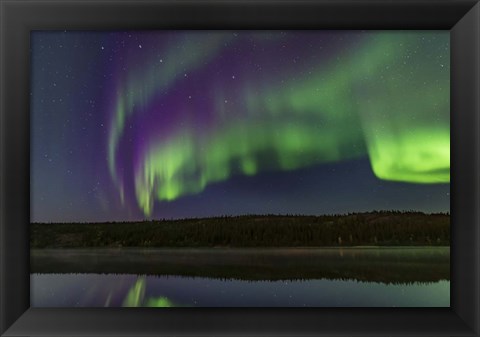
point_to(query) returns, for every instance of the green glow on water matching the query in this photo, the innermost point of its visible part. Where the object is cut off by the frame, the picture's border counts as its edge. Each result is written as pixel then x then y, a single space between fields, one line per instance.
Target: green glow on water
pixel 136 297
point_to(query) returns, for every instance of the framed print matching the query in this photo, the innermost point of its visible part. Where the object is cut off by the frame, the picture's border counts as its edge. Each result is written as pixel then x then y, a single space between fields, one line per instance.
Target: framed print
pixel 239 168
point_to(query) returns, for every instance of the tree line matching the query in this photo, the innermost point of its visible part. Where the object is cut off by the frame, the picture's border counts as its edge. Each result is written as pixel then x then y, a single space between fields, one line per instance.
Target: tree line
pixel 354 229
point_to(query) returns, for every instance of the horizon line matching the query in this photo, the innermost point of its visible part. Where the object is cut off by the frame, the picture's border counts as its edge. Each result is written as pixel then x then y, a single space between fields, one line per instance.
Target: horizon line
pixel 246 215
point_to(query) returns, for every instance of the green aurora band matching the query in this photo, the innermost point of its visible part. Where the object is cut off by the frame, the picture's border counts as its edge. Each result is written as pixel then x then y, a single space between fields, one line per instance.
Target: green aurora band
pixel 140 86
pixel 381 98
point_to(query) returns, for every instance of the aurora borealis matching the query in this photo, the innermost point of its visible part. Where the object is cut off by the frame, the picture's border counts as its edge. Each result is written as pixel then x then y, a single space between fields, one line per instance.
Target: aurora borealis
pixel 173 124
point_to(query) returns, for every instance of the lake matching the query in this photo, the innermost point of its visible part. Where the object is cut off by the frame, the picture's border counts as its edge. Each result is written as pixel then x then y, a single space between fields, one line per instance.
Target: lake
pixel 226 277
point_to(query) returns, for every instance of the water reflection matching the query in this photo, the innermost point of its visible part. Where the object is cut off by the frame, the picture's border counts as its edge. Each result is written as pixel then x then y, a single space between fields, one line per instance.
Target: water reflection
pixel 136 297
pixel 384 265
pixel 408 277
pixel 98 290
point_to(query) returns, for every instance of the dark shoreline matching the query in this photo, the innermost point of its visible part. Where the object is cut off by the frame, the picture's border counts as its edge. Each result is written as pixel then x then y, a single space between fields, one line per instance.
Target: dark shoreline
pixel 389 265
pixel 229 248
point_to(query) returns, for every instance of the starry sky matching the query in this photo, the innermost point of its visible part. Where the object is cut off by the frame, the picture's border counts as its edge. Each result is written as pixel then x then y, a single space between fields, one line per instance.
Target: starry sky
pixel 133 125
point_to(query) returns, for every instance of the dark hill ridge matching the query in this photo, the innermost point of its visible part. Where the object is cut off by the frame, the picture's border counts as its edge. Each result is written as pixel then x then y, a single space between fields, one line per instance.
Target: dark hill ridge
pixel 388 228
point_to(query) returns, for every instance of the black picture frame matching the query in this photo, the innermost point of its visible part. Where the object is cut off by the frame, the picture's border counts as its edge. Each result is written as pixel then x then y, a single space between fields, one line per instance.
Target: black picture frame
pixel 19 17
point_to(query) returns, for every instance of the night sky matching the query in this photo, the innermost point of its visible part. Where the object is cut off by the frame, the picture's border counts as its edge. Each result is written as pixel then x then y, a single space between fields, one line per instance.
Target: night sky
pixel 177 124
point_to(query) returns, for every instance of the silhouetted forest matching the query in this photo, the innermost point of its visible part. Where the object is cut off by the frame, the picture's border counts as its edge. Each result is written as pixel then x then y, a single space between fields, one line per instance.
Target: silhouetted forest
pixel 378 228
